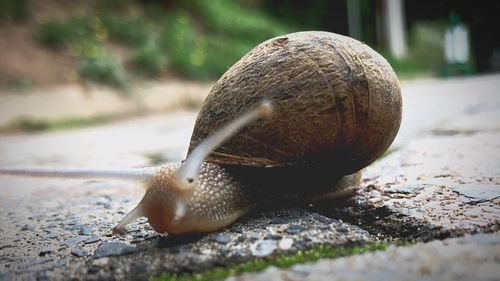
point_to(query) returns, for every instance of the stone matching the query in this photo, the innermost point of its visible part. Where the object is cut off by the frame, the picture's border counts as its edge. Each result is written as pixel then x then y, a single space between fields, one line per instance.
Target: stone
pixel 6 246
pixel 100 262
pixel 273 237
pixel 341 228
pixel 92 239
pixel 73 241
pixel 6 276
pixel 114 248
pixel 262 248
pixel 49 236
pixel 285 244
pixel 294 229
pixel 45 252
pixel 221 238
pixel 404 189
pixel 27 228
pixel 476 192
pixel 85 230
pixel 46 275
pixel 321 218
pixel 79 252
pixel 236 229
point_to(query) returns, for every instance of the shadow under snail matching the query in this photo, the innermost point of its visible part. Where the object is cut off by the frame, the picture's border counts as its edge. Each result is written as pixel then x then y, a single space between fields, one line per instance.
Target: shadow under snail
pixel 299 115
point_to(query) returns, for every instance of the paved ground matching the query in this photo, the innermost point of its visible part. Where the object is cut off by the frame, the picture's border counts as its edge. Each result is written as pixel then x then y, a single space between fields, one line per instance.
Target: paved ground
pixel 470 258
pixel 440 181
pixel 75 101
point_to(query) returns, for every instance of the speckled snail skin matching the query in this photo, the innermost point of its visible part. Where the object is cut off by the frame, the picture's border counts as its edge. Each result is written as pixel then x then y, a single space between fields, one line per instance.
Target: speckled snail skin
pixel 327 106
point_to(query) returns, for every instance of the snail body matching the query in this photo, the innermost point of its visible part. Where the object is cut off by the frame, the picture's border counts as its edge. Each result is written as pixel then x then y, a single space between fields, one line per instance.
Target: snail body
pixel 336 107
pixel 327 105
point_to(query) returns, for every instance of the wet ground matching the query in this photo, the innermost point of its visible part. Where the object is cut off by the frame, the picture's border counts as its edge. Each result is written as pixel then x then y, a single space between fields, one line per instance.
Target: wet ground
pixel 440 180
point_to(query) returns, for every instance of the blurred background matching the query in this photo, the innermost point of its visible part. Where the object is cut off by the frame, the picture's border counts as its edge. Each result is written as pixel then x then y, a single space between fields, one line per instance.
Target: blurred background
pixel 116 45
pixel 116 42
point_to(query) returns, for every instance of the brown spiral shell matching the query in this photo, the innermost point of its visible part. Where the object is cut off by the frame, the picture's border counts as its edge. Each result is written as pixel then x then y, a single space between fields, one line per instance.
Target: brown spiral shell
pixel 337 103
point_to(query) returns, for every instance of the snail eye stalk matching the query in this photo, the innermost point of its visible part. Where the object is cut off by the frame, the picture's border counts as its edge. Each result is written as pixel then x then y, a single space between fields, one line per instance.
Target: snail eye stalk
pixel 187 175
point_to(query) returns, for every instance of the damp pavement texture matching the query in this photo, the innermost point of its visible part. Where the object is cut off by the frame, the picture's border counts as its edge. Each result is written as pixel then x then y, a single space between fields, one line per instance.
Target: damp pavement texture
pixel 440 180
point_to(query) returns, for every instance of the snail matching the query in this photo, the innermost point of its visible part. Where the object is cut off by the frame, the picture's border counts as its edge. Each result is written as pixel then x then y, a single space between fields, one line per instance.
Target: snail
pixel 299 115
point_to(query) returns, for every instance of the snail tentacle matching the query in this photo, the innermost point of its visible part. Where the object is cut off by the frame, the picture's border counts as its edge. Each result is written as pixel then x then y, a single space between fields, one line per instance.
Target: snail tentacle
pixel 133 215
pixel 188 173
pixel 138 174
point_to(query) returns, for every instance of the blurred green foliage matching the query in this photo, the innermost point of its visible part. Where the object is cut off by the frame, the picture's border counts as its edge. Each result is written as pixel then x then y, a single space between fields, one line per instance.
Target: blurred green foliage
pixel 57 33
pixel 198 39
pixel 149 59
pixel 97 64
pixel 406 68
pixel 425 51
pixel 204 38
pixel 131 31
pixel 426 44
pixel 14 10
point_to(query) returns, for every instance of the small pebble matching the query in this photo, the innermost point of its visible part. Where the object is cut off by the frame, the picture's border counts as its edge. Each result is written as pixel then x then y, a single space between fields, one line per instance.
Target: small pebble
pixel 73 241
pixel 85 230
pixel 114 248
pixel 262 248
pixel 4 276
pixel 375 200
pixel 27 228
pixel 341 229
pixel 322 218
pixel 285 244
pixel 294 229
pixel 221 238
pixel 237 229
pixel 242 238
pixel 79 252
pixel 273 237
pixel 92 239
pixel 100 262
pixel 44 252
pixel 48 236
pixel 46 275
pixel 6 246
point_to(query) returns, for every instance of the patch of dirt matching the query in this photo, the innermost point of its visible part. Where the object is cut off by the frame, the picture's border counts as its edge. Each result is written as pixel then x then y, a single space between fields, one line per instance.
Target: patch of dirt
pixel 24 61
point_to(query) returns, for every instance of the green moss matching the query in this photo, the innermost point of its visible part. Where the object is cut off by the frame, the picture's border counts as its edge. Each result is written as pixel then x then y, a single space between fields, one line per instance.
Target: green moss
pixel 282 261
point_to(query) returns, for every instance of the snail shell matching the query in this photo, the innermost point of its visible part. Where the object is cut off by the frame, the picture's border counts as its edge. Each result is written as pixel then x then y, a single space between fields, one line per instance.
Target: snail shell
pixel 337 105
